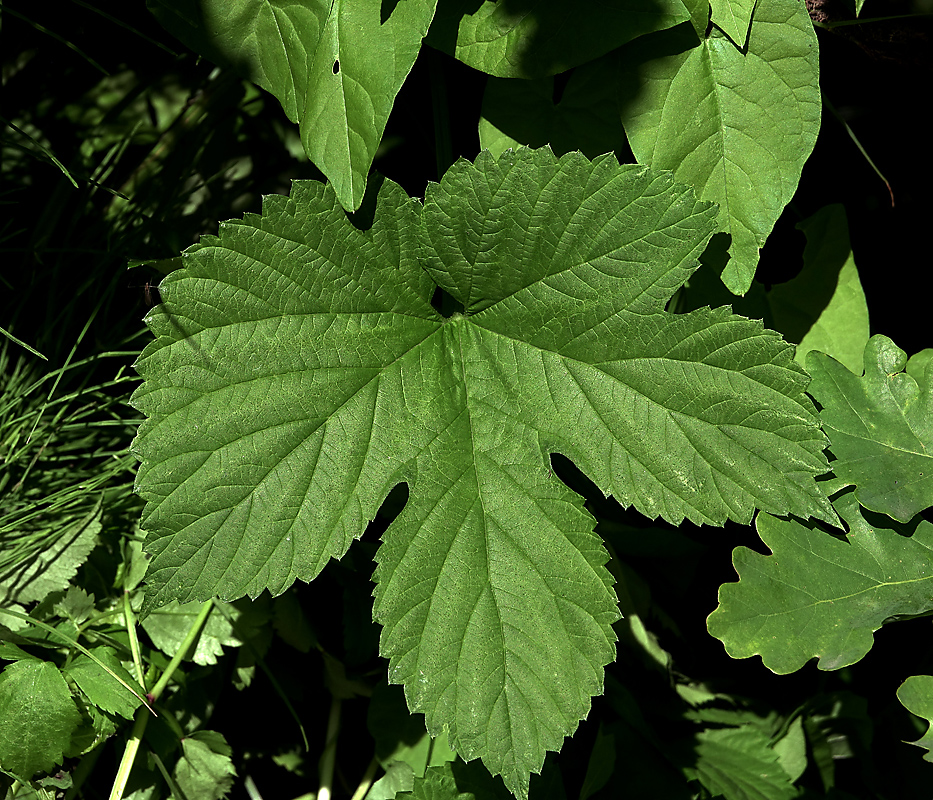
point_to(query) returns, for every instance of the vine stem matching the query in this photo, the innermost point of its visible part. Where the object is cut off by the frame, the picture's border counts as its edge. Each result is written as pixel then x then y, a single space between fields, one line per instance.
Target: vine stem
pixel 367 780
pixel 141 718
pixel 329 757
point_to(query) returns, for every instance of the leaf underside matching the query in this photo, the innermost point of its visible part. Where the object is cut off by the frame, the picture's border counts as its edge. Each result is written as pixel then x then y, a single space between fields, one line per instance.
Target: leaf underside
pixel 299 373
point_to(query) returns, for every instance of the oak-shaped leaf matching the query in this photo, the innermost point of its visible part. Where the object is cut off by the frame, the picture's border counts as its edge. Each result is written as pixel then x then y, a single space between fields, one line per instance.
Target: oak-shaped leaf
pixel 822 596
pixel 299 372
pixel 880 425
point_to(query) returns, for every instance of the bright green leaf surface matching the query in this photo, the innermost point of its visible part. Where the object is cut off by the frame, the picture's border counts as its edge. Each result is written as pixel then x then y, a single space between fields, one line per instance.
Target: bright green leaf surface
pixel 101 688
pixel 733 17
pixel 736 126
pixel 300 373
pixel 916 695
pixel 37 717
pixel 523 41
pixel 880 426
pixel 821 596
pixel 824 307
pixel 738 764
pixel 335 67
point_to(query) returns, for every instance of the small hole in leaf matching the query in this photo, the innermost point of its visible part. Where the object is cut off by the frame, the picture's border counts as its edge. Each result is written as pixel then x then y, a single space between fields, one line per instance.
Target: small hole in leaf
pixel 336 66
pixel 446 304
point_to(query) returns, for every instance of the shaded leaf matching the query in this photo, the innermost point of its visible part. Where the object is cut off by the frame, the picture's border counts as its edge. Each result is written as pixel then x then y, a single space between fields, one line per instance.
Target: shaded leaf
pixel 739 764
pixel 824 307
pixel 299 373
pixel 205 771
pixel 53 568
pixel 737 126
pixel 916 695
pixel 791 750
pixel 168 625
pixel 515 40
pixel 819 595
pixel 455 780
pixel 101 688
pixel 37 718
pixel 335 67
pixel 523 112
pixel 880 426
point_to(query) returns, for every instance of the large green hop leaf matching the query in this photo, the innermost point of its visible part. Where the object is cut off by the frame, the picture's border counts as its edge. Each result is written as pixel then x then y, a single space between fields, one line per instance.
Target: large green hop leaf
pixel 880 426
pixel 334 65
pixel 299 373
pixel 822 596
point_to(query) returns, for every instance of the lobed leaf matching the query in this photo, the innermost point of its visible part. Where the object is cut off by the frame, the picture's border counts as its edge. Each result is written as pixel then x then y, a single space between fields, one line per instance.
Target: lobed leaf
pixel 299 373
pixel 823 596
pixel 881 426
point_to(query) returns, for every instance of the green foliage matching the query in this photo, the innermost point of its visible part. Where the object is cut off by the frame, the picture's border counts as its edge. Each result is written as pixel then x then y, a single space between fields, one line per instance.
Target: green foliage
pixel 355 383
pixel 819 595
pixel 507 390
pixel 881 426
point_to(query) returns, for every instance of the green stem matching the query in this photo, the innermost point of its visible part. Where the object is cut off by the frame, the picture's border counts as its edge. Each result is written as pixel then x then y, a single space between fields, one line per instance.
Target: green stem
pixel 443 150
pixel 858 144
pixel 130 618
pixel 194 633
pixel 846 22
pixel 142 718
pixel 329 756
pixel 367 780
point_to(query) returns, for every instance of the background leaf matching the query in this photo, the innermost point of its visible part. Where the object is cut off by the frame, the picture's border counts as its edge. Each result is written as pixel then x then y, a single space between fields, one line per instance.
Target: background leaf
pixel 737 126
pixel 515 40
pixel 205 772
pixel 822 595
pixel 52 567
pixel 824 308
pixel 523 112
pixel 102 689
pixel 880 426
pixel 739 764
pixel 37 718
pixel 916 695
pixel 335 67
